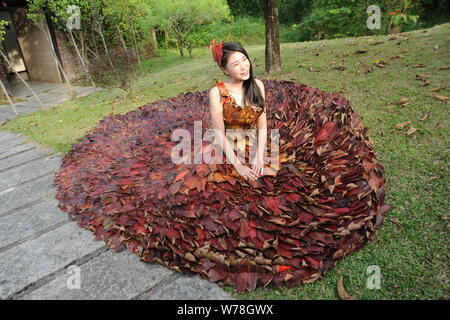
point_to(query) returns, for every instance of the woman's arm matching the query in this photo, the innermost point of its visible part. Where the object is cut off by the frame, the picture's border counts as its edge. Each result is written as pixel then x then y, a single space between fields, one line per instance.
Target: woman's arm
pixel 262 126
pixel 218 124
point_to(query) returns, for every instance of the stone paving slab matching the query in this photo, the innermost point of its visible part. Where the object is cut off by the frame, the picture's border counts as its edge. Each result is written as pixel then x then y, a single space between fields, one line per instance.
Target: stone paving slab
pixel 11 142
pixel 30 221
pixel 111 275
pixel 7 136
pixel 19 196
pixel 28 171
pixel 35 259
pixel 20 158
pixel 14 150
pixel 187 288
pixel 5 133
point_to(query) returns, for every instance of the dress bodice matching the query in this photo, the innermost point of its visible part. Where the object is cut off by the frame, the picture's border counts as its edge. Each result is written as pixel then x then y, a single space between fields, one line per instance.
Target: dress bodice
pixel 235 116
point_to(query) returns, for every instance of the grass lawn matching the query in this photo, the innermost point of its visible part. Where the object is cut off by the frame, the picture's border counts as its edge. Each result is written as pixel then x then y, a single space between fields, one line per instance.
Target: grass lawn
pixel 411 248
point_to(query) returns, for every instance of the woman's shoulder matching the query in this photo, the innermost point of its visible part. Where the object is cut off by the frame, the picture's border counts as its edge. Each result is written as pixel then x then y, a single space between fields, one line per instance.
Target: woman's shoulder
pixel 214 96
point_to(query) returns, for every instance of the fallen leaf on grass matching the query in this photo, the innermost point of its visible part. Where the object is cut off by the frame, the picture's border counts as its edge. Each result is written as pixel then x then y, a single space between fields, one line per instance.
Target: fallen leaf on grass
pixel 411 130
pixel 436 47
pixel 397 57
pixel 425 117
pixel 425 83
pixel 342 293
pixel 446 217
pixel 403 102
pixel 360 51
pixel 421 65
pixel 340 68
pixel 442 98
pixel 444 68
pixel 380 63
pixel 400 126
pixel 396 221
pixel 436 89
pixel 423 77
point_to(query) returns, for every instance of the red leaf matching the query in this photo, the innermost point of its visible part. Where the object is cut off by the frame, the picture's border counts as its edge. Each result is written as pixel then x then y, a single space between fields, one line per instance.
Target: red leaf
pixel 173 233
pixel 140 229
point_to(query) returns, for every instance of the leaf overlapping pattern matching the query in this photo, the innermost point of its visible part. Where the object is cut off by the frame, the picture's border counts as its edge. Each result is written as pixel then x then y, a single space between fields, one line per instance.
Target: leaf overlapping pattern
pixel 325 202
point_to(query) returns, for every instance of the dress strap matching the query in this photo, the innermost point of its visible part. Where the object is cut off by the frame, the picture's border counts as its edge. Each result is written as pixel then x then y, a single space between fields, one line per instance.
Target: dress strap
pixel 223 90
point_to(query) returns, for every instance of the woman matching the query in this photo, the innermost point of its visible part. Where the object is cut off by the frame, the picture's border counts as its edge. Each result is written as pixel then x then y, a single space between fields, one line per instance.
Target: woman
pixel 236 224
pixel 228 114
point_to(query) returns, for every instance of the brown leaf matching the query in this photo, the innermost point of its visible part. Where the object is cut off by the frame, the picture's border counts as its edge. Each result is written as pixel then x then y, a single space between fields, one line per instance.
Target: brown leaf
pixel 436 89
pixel 403 101
pixel 425 117
pixel 424 84
pixel 360 51
pixel 411 130
pixel 423 77
pixel 442 98
pixel 342 293
pixel 402 125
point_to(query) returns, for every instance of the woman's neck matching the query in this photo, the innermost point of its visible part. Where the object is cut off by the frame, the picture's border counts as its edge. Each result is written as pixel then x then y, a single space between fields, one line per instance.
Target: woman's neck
pixel 235 84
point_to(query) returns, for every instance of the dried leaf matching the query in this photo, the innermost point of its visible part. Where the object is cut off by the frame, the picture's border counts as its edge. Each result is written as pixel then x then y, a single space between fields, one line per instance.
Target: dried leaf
pixel 442 98
pixel 342 293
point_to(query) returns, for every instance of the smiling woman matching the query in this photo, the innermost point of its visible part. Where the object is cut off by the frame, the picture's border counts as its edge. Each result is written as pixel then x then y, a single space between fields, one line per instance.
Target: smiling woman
pixel 325 202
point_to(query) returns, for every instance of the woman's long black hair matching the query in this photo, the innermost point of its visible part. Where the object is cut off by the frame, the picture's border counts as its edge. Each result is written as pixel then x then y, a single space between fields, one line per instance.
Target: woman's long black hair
pixel 252 93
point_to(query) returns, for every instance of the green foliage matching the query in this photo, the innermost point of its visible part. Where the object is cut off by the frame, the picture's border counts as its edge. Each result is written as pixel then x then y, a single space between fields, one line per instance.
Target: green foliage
pixel 3 24
pixel 246 30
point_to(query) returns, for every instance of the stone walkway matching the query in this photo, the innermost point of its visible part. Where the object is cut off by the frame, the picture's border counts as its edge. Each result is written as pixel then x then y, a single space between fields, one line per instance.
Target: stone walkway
pixel 50 94
pixel 45 255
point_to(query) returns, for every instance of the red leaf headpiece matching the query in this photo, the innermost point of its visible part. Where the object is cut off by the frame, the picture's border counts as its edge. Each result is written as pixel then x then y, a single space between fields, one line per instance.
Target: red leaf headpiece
pixel 216 51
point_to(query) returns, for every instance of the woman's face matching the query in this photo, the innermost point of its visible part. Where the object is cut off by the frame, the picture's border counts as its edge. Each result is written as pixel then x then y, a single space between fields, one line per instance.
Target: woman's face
pixel 238 66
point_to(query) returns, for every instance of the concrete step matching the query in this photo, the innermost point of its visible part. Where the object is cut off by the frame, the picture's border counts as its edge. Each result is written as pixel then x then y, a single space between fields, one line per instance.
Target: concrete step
pixel 30 222
pixel 28 171
pixel 34 262
pixel 20 158
pixel 19 197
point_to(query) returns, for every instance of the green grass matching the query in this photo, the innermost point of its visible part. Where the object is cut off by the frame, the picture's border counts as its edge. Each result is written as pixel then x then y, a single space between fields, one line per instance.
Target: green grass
pixel 412 255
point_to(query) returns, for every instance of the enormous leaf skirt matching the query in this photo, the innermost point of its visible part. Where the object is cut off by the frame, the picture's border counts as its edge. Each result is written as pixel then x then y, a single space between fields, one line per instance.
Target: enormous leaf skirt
pixel 325 202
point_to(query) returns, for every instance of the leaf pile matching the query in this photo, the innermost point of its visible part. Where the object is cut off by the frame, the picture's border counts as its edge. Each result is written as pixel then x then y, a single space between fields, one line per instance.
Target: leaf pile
pixel 325 202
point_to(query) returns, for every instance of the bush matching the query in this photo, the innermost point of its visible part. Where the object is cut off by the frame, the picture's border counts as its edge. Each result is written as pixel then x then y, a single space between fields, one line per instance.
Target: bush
pixel 121 75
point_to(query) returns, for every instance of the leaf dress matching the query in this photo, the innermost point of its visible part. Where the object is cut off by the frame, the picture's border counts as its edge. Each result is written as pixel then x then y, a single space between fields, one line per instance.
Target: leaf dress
pixel 323 201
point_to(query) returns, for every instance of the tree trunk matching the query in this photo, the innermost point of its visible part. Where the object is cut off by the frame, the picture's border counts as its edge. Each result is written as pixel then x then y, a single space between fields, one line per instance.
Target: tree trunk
pixel 99 29
pixel 135 44
pixel 121 38
pixel 9 99
pixel 153 39
pixel 273 58
pixel 80 57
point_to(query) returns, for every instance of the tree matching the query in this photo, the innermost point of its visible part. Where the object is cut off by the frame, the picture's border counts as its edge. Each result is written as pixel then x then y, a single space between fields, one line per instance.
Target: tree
pixel 273 58
pixel 180 17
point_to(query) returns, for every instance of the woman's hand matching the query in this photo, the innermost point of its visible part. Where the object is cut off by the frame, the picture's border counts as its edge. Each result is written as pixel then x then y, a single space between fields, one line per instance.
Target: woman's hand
pixel 258 166
pixel 246 172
